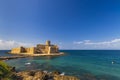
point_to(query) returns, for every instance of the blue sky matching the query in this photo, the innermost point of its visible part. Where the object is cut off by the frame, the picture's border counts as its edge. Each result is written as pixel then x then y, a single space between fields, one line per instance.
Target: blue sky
pixel 72 24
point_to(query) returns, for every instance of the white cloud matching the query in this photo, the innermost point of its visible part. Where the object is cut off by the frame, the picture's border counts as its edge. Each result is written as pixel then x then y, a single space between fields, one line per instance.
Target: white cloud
pixel 85 44
pixel 79 42
pixel 88 44
pixel 6 45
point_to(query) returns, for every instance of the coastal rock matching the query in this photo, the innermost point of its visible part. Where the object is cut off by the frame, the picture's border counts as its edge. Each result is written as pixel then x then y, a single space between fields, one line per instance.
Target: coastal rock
pixel 32 75
pixel 40 75
pixel 59 77
pixel 55 72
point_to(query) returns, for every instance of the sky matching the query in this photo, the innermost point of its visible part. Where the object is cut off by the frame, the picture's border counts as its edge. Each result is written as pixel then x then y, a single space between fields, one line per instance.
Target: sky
pixel 71 24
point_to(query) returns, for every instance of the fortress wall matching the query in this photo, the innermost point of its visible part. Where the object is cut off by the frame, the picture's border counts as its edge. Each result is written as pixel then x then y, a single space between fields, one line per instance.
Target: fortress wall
pixel 16 50
pixel 22 50
pixel 43 50
pixel 41 46
pixel 39 49
pixel 46 49
pixel 27 50
pixel 51 49
pixel 32 50
pixel 54 49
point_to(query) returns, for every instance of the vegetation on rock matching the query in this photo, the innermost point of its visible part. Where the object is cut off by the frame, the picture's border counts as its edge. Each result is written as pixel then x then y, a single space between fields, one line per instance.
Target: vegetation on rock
pixel 5 71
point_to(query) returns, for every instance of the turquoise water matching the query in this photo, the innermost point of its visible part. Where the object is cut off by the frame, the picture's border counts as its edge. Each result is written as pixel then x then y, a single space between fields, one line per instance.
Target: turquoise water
pixel 85 64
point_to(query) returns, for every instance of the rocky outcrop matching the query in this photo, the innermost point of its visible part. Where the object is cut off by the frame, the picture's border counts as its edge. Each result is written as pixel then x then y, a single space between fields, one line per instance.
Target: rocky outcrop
pixel 41 75
pixel 59 77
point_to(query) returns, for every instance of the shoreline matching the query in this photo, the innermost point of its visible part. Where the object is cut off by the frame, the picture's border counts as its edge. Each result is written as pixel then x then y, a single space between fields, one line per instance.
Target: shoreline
pixel 35 55
pixel 25 55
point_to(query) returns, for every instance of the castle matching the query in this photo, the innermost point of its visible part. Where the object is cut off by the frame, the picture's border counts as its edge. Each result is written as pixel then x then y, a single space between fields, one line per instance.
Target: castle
pixel 48 48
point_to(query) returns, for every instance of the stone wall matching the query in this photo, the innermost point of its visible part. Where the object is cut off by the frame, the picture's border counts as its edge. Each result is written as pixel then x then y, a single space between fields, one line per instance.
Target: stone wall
pixel 32 50
pixel 18 50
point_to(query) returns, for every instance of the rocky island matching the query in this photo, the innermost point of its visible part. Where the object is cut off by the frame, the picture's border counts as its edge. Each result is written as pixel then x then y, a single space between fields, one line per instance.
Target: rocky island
pixel 47 49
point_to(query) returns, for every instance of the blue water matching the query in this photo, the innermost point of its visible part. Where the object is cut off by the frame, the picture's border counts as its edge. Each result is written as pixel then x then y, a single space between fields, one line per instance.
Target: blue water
pixel 85 64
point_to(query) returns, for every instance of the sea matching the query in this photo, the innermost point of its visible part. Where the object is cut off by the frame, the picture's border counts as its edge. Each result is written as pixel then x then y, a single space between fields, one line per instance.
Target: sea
pixel 84 64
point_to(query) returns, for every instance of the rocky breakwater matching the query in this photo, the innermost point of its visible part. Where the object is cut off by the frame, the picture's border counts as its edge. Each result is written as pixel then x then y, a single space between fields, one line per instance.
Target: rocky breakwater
pixel 11 57
pixel 42 75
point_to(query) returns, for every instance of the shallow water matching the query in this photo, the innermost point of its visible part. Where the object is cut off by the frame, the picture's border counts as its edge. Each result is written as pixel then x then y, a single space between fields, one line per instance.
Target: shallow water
pixel 85 64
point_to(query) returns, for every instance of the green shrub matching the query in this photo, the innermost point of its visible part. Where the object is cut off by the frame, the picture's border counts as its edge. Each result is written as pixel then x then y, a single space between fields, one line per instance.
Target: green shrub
pixel 5 71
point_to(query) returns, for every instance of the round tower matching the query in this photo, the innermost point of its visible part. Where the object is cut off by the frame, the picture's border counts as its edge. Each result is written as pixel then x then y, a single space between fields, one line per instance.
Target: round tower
pixel 48 43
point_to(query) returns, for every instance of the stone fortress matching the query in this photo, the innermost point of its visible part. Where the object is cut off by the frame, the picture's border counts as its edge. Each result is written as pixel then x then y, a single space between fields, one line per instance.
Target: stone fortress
pixel 48 48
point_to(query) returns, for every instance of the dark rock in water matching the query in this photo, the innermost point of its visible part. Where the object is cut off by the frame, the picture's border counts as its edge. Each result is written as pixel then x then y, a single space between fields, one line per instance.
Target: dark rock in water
pixel 56 73
pixel 13 69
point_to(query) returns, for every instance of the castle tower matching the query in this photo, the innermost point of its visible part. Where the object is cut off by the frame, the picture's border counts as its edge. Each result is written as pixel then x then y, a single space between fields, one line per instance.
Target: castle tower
pixel 48 43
